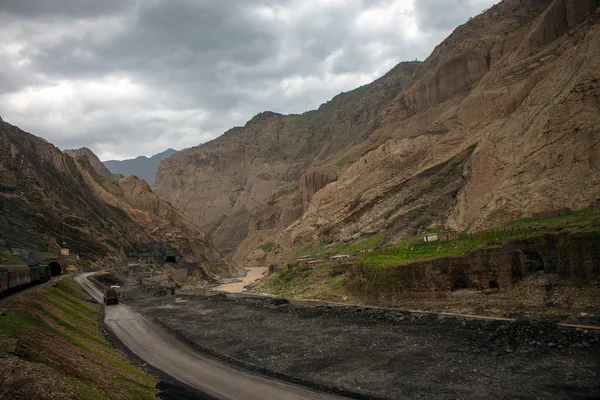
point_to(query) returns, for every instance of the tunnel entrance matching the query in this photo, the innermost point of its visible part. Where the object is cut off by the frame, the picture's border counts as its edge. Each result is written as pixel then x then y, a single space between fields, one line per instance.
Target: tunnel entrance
pixel 55 268
pixel 170 259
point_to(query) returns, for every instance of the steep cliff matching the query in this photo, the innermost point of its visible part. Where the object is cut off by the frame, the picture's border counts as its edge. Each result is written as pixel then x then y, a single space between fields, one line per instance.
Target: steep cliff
pixel 47 197
pixel 502 120
pixel 219 184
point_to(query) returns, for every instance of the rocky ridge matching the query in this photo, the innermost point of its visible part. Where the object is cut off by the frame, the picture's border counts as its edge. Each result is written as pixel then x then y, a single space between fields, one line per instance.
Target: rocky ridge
pixel 94 161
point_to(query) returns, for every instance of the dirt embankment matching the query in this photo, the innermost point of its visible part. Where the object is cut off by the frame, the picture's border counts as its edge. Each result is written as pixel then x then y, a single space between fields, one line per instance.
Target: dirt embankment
pixel 386 354
pixel 570 256
pixel 51 348
pixel 553 274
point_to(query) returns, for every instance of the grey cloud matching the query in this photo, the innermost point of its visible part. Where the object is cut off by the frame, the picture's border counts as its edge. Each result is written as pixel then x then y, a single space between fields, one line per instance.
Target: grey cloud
pixel 39 9
pixel 202 66
pixel 445 15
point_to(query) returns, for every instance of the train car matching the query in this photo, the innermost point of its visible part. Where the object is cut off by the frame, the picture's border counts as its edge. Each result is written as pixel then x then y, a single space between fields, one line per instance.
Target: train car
pixel 18 276
pixel 15 277
pixel 3 280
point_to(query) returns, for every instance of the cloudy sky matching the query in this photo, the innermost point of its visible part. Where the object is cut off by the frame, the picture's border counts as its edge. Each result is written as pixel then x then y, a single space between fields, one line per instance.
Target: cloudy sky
pixel 133 77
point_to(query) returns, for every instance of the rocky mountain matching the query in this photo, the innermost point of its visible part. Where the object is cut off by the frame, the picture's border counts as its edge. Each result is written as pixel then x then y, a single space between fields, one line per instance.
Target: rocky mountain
pixel 219 184
pixel 142 166
pixel 95 162
pixel 502 120
pixel 47 196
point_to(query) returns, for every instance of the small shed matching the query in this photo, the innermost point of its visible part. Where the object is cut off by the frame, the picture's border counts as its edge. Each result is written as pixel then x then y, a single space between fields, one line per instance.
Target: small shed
pixel 338 258
pixel 431 237
pixel 313 263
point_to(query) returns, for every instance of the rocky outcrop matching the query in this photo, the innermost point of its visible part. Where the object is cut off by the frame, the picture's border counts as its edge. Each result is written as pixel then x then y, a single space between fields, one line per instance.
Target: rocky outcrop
pixel 314 180
pixel 143 167
pixel 47 198
pixel 241 170
pixel 94 161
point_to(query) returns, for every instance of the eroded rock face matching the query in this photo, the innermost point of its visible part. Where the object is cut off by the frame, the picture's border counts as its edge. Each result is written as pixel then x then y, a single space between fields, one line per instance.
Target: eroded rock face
pixel 241 170
pixel 314 180
pixel 492 145
pixel 47 197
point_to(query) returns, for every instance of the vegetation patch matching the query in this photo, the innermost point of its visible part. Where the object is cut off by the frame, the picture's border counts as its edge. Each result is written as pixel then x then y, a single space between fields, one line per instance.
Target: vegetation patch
pixel 321 283
pixel 53 329
pixel 7 258
pixel 266 247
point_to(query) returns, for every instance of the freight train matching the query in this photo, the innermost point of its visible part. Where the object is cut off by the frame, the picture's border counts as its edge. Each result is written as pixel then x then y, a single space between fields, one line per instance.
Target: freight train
pixel 16 277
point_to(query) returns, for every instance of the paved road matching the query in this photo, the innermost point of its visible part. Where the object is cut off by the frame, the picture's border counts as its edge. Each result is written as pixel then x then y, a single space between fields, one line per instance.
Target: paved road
pixel 210 376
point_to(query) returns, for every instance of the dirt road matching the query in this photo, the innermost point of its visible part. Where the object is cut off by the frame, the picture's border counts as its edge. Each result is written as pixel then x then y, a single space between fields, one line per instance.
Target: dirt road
pixel 252 275
pixel 166 353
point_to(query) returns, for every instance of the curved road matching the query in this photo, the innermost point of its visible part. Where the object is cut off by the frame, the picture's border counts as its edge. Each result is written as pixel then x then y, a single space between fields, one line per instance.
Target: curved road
pixel 210 376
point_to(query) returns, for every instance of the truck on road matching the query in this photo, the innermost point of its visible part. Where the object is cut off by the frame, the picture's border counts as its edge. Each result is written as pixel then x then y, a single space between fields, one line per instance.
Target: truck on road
pixel 110 296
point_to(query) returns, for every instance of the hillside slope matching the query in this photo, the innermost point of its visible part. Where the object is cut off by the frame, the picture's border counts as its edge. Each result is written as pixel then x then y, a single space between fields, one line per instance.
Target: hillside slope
pixel 47 197
pixel 52 348
pixel 220 183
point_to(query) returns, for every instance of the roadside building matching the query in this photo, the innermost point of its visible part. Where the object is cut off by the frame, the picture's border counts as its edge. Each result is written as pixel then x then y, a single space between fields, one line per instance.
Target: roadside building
pixel 431 237
pixel 303 260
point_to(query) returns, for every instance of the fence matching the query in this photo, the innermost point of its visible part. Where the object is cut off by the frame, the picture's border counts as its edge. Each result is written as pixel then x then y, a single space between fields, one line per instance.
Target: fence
pixel 507 230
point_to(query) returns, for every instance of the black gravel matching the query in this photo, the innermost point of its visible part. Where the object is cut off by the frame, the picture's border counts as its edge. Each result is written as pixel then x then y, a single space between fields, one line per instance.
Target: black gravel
pixel 387 354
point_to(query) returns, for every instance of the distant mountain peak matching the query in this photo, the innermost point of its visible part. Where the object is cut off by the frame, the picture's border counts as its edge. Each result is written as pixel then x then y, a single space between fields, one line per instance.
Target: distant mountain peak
pixel 143 167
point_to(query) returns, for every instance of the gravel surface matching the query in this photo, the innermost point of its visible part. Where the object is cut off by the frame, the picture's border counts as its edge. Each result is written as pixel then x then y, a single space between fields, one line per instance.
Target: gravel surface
pixel 383 354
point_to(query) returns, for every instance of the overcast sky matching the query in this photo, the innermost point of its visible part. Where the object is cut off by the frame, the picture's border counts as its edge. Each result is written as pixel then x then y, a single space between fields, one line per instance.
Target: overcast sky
pixel 133 77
